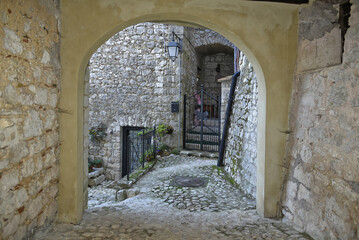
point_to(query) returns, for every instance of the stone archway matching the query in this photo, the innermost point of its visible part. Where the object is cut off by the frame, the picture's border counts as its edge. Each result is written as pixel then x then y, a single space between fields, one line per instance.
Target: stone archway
pixel 265 32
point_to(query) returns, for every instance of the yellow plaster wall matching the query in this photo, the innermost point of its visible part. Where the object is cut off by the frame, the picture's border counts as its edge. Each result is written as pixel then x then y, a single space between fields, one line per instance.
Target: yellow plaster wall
pixel 265 32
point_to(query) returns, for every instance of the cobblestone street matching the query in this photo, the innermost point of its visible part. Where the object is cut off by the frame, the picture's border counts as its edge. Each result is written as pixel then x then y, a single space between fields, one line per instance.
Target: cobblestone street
pixel 156 208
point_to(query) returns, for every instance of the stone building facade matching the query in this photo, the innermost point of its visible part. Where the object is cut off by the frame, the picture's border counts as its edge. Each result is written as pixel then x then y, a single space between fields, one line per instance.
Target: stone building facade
pixel 133 82
pixel 29 117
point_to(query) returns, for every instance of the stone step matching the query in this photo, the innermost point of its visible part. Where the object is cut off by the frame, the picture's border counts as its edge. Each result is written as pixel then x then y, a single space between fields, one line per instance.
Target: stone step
pixel 199 153
pixel 96 181
pixel 97 172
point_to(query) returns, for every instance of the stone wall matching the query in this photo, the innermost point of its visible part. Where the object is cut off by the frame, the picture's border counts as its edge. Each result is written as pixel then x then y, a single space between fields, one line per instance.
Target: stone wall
pixel 189 64
pixel 211 49
pixel 225 89
pixel 132 83
pixel 241 146
pixel 29 135
pixel 201 37
pixel 321 194
pixel 210 73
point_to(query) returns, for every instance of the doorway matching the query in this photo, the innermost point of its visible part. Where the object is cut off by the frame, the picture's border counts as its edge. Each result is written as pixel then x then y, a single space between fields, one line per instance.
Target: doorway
pixel 131 150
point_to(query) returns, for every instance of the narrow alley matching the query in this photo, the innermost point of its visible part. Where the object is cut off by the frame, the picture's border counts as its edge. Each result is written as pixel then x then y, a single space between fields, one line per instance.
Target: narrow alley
pixel 160 206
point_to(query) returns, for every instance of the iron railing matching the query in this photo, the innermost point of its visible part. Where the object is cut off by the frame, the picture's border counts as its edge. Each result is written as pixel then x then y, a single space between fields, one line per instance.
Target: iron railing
pixel 201 121
pixel 141 147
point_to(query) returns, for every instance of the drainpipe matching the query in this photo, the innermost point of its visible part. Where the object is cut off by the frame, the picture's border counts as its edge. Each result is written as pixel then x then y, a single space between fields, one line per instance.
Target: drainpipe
pixel 227 116
pixel 179 103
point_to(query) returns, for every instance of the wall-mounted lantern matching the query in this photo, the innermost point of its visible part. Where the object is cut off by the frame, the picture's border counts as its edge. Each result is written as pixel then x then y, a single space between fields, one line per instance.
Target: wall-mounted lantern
pixel 218 68
pixel 174 47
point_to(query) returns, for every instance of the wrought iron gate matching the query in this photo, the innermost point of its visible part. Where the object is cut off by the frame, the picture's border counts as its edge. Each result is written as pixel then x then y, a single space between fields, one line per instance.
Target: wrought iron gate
pixel 201 126
pixel 138 145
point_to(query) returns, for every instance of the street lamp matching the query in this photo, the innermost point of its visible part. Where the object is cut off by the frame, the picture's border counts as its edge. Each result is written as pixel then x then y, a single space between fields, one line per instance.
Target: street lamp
pixel 174 47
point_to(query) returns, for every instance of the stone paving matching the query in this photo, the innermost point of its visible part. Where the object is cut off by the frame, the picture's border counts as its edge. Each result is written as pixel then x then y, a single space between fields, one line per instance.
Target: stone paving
pixel 155 209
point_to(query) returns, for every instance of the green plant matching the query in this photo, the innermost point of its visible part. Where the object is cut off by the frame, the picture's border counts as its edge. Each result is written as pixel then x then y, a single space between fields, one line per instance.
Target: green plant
pixel 164 147
pixel 175 151
pixel 90 167
pixel 98 133
pixel 163 150
pixel 149 154
pixel 147 130
pixel 96 163
pixel 163 129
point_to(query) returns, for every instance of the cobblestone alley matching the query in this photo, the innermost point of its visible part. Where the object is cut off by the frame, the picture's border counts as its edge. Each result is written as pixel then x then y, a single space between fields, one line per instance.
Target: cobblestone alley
pixel 158 208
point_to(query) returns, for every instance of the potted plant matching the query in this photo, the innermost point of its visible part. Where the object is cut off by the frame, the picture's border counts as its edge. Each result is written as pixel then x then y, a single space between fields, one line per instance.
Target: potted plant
pixel 96 163
pixel 149 155
pixel 163 150
pixel 98 133
pixel 163 129
pixel 169 129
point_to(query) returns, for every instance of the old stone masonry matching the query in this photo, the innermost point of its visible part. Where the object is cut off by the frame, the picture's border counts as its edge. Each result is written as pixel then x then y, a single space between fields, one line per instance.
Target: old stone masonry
pixel 155 208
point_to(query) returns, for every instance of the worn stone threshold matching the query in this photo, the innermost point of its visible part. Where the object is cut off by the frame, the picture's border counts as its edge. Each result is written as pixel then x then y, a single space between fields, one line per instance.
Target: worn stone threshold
pixel 197 153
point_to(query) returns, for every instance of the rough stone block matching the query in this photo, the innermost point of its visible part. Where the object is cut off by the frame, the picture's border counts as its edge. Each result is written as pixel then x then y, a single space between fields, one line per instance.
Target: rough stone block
pixel 8 180
pixel 49 117
pixel 13 200
pixel 40 96
pixel 11 226
pixel 12 42
pixel 45 57
pixel 5 123
pixel 302 176
pixel 121 195
pixel 20 233
pixel 303 193
pixel 96 181
pixel 8 136
pixel 32 125
pixel 96 173
pixel 338 95
pixel 132 192
pixel 18 151
pixel 52 99
pixel 35 207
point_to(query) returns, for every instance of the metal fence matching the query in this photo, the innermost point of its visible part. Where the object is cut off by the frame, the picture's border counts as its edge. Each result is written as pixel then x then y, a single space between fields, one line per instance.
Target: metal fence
pixel 201 126
pixel 141 147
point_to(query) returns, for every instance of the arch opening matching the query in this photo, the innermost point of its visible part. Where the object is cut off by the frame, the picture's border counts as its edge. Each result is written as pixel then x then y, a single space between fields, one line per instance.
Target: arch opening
pixel 119 84
pixel 74 66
